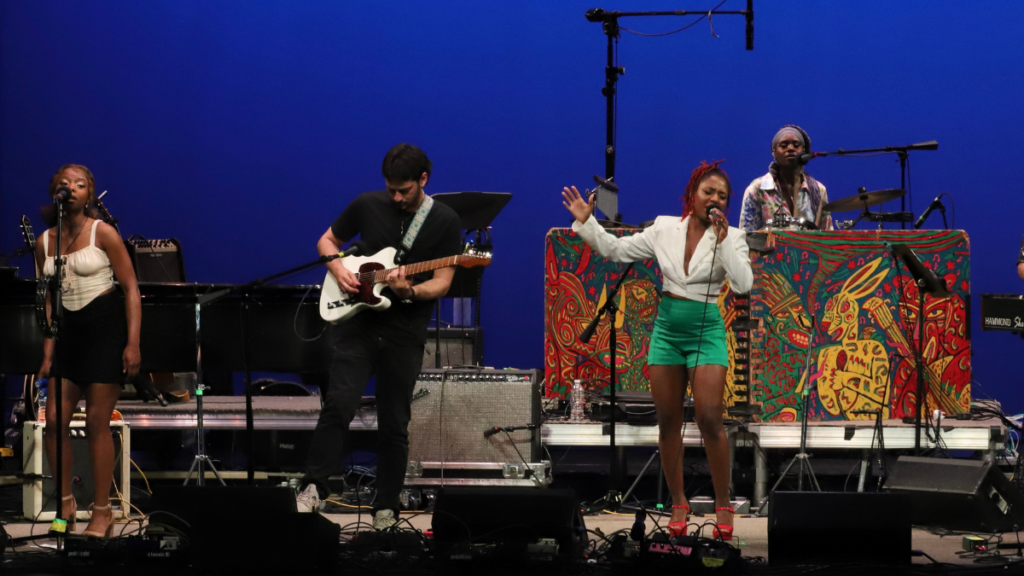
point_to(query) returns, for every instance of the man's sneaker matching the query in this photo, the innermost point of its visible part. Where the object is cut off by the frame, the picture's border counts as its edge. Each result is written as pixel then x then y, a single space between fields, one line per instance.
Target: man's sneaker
pixel 308 500
pixel 384 519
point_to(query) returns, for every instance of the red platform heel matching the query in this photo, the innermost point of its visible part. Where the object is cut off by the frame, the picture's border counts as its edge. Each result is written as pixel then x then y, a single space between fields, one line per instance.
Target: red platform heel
pixel 723 531
pixel 679 528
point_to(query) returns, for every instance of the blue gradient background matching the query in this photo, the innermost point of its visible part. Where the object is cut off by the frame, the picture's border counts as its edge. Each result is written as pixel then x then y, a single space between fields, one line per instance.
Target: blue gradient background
pixel 243 128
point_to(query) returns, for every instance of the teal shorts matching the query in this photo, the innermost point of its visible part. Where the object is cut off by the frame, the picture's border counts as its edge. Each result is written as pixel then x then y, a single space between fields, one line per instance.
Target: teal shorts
pixel 677 335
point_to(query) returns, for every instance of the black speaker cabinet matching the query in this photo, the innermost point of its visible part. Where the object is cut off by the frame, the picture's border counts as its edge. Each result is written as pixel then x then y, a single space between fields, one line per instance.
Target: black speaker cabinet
pixel 971 495
pixel 248 528
pixel 821 528
pixel 458 347
pixel 513 518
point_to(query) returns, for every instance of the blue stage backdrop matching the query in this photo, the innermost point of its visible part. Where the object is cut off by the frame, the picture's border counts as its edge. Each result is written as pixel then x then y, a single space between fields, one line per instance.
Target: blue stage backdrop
pixel 243 128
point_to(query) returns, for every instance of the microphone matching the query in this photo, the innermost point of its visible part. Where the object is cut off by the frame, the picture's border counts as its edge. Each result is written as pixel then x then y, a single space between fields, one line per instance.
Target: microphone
pixel 492 431
pixel 936 204
pixel 355 249
pixel 63 194
pixel 606 184
pixel 750 24
pixel 806 157
pixel 589 332
pixel 711 216
pixel 862 412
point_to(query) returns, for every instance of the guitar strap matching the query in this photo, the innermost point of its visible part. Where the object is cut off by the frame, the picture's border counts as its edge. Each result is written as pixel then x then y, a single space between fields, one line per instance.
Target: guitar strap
pixel 414 229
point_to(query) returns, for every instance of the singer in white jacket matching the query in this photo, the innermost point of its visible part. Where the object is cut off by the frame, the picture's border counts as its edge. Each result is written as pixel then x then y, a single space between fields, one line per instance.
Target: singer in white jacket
pixel 688 346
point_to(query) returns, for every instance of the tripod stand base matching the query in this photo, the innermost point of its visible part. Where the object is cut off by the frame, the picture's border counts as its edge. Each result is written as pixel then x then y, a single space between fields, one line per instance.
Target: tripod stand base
pixel 200 461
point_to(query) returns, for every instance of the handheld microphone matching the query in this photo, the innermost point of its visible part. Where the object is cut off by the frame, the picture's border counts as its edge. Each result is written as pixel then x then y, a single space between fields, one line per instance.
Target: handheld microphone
pixel 936 204
pixel 589 332
pixel 63 194
pixel 711 215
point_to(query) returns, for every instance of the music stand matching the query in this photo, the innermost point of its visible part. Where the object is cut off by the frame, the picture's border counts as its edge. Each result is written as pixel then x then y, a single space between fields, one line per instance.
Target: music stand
pixel 927 282
pixel 476 211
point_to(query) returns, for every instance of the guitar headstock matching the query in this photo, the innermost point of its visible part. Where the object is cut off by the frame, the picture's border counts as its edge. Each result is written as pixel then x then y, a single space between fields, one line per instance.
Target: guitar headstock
pixel 474 257
pixel 26 233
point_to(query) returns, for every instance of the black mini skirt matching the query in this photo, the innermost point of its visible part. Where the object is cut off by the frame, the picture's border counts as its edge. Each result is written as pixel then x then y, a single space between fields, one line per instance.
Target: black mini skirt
pixel 91 343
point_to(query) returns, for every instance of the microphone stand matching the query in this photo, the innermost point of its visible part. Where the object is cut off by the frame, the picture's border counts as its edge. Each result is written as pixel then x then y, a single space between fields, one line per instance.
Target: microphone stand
pixel 617 458
pixel 59 526
pixel 902 152
pixel 610 25
pixel 246 291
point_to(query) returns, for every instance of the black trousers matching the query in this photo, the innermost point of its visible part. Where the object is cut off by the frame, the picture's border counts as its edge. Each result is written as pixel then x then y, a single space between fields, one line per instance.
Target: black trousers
pixel 357 357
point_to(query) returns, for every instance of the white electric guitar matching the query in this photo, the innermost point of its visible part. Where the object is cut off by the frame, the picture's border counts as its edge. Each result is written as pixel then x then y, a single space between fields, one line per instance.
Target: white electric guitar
pixel 336 305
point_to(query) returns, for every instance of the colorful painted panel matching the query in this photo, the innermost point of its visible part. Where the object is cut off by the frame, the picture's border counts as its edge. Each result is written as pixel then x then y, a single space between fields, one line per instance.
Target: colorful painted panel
pixel 576 285
pixel 865 310
pixel 842 297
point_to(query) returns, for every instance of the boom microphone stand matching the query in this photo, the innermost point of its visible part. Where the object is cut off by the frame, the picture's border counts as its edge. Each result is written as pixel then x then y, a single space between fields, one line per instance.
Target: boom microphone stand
pixel 903 153
pixel 927 282
pixel 802 456
pixel 610 25
pixel 246 290
pixel 617 460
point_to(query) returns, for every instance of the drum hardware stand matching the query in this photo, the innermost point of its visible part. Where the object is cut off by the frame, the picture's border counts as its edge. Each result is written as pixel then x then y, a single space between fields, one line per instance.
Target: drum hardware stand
pixel 246 290
pixel 617 469
pixel 610 25
pixel 802 456
pixel 927 282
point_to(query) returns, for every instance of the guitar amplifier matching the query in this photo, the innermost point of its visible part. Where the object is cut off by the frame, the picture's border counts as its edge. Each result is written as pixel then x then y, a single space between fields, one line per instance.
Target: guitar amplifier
pixel 156 260
pixel 455 408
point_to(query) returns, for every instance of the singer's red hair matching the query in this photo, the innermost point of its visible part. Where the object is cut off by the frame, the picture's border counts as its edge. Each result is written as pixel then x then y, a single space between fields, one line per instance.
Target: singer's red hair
pixel 699 174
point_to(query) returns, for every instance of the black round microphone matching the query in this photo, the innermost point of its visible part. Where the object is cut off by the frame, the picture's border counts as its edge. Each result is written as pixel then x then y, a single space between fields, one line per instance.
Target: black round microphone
pixel 711 215
pixel 804 158
pixel 63 194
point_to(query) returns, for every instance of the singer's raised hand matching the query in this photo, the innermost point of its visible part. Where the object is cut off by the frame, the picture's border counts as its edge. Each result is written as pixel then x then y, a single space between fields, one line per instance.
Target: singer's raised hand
pixel 580 208
pixel 720 223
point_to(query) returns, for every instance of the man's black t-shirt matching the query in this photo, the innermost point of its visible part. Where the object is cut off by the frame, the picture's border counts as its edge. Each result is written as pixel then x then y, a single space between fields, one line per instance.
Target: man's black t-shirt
pixel 380 225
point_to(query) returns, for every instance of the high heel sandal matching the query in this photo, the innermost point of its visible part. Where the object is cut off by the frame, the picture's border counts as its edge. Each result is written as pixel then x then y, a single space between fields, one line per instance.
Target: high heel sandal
pixel 72 518
pixel 723 531
pixel 679 528
pixel 110 526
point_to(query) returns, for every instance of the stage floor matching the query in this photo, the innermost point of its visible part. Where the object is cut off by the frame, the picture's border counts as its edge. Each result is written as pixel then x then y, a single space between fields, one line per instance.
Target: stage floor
pixel 752 536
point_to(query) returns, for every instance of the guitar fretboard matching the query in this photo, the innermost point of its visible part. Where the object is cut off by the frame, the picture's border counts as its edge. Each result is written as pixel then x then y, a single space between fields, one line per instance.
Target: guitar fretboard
pixel 381 276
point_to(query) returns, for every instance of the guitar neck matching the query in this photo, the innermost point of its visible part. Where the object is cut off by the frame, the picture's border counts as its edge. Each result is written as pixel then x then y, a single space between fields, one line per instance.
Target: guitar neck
pixel 381 276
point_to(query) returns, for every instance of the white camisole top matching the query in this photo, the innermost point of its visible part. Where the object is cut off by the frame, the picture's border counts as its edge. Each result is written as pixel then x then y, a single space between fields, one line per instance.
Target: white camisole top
pixel 87 272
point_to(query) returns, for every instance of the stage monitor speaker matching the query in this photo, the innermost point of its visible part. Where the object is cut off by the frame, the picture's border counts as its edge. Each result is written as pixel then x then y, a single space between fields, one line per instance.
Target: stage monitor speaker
pixel 458 347
pixel 823 528
pixel 970 495
pixel 156 260
pixel 514 517
pixel 453 408
pixel 247 528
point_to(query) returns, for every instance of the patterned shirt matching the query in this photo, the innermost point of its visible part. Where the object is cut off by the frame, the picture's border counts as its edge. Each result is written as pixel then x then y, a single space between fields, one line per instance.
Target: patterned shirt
pixel 763 199
pixel 1020 259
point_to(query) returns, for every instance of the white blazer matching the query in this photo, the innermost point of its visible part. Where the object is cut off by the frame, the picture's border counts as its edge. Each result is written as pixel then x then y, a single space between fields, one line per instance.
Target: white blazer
pixel 665 240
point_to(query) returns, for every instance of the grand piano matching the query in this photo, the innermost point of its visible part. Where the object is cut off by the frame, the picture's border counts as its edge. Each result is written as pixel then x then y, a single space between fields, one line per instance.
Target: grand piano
pixel 284 323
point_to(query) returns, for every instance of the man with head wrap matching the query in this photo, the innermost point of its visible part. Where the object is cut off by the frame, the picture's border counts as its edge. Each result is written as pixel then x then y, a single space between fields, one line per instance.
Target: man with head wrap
pixel 786 189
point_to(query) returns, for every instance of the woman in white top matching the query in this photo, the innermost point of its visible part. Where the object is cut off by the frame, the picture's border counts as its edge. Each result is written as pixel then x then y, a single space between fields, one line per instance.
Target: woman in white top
pixel 696 254
pixel 97 345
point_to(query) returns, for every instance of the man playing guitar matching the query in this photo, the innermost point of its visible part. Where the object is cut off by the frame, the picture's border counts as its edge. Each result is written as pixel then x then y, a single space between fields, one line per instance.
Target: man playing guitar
pixel 387 344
